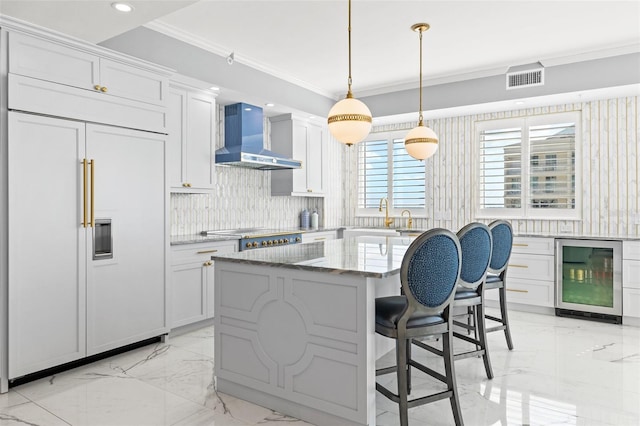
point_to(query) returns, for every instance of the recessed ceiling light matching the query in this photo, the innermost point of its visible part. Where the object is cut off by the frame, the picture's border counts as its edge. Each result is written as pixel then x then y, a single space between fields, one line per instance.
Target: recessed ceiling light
pixel 269 104
pixel 122 7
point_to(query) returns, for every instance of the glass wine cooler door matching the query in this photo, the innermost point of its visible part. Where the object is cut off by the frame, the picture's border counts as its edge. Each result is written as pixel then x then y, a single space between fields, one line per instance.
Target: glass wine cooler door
pixel 589 279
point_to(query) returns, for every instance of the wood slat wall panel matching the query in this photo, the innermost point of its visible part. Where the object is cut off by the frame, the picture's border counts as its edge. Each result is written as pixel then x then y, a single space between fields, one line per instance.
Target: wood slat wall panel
pixel 608 187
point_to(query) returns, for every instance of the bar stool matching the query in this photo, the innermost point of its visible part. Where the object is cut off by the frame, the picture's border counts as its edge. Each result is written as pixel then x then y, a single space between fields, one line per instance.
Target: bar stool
pixel 476 247
pixel 429 274
pixel 502 243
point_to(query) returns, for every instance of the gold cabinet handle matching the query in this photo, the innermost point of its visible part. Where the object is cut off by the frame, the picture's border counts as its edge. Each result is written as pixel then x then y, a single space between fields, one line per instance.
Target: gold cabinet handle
pixel 103 89
pixel 97 87
pixel 320 238
pixel 207 263
pixel 186 185
pixel 207 251
pixel 84 192
pixel 520 245
pixel 93 216
pixel 517 291
pixel 309 190
pixel 518 266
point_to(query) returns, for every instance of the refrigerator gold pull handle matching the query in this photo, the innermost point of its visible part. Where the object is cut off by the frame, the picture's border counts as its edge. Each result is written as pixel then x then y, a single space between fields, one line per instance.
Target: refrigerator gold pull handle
pixel 93 216
pixel 84 192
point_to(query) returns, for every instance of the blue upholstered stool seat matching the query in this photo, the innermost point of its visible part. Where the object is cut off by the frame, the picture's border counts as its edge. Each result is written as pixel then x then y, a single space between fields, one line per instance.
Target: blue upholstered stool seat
pixel 493 281
pixel 390 309
pixel 465 293
pixel 497 274
pixel 429 274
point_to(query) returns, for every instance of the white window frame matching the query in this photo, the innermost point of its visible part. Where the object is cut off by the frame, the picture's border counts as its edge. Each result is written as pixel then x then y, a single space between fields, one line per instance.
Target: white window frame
pixel 525 211
pixel 393 212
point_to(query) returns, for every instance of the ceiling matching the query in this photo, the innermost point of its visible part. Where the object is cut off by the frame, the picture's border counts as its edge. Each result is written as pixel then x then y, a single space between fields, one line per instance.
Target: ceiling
pixel 305 41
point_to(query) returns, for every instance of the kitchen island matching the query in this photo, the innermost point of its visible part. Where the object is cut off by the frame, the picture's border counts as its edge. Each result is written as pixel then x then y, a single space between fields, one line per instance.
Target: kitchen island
pixel 295 326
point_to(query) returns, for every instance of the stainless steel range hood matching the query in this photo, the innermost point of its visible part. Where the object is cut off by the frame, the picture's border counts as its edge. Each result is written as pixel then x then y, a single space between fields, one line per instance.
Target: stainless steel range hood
pixel 243 141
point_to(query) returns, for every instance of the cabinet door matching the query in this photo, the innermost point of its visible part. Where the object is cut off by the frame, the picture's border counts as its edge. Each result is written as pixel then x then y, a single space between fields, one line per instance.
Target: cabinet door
pixel 176 160
pixel 47 243
pixel 130 82
pixel 200 146
pixel 315 160
pixel 189 287
pixel 299 150
pixel 44 60
pixel 126 294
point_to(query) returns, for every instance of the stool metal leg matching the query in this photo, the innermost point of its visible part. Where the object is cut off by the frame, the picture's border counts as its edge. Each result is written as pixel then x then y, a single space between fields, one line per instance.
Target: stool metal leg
pixel 505 317
pixel 408 366
pixel 447 347
pixel 401 363
pixel 481 332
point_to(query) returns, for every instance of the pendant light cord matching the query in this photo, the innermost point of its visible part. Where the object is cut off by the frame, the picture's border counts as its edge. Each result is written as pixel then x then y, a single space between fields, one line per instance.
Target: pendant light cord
pixel 349 94
pixel 420 123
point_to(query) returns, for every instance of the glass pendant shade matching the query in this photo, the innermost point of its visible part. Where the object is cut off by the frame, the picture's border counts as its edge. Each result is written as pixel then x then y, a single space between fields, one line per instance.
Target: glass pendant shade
pixel 349 121
pixel 421 142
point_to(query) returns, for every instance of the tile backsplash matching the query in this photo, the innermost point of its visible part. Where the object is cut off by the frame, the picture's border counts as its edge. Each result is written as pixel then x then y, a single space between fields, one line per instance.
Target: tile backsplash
pixel 242 199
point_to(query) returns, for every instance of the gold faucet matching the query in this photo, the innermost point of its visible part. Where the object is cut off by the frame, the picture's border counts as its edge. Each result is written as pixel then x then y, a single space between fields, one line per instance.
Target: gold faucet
pixel 410 221
pixel 387 220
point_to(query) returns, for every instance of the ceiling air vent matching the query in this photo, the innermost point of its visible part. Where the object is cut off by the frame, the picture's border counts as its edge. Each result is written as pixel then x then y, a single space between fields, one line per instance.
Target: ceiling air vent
pixel 525 76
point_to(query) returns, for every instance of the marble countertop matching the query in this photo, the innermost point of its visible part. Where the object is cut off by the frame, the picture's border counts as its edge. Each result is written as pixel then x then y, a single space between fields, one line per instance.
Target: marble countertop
pixel 367 256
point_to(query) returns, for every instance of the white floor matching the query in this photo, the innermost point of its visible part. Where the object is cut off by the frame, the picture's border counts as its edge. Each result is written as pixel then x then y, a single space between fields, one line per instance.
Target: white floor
pixel 561 372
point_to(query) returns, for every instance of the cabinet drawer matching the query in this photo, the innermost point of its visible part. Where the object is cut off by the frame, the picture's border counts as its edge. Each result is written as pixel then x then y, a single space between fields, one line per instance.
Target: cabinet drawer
pixel 533 245
pixel 531 266
pixel 631 250
pixel 631 302
pixel 631 273
pixel 313 237
pixel 203 251
pixel 539 293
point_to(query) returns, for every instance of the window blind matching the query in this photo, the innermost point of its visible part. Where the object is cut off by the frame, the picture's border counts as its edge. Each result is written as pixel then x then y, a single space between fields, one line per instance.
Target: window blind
pixel 500 168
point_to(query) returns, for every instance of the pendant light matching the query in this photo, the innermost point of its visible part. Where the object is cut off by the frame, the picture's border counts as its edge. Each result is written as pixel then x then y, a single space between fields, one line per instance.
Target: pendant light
pixel 421 142
pixel 349 119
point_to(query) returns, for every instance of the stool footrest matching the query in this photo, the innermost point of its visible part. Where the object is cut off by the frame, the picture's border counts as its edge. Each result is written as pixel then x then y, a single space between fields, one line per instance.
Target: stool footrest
pixel 492 318
pixel 386 370
pixel 417 401
pixel 498 328
pixel 466 338
pixel 428 371
pixel 427 347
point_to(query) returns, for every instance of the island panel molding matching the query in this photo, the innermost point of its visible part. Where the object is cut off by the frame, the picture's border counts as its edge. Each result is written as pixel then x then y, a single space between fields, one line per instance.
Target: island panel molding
pixel 300 338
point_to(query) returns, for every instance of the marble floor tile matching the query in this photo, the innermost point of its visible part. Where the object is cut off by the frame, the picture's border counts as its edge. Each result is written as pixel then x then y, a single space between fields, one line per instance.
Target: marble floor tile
pixel 562 371
pixel 27 414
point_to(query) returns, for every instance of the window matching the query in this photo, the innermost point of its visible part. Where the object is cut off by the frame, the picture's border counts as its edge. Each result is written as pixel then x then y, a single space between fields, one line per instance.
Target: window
pixel 385 170
pixel 527 167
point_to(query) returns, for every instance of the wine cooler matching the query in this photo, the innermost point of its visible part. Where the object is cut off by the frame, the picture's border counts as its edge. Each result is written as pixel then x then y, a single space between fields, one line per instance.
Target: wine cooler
pixel 589 279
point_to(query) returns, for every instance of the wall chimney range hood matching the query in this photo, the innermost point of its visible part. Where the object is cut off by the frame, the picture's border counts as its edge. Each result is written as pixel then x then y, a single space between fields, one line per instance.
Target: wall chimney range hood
pixel 243 141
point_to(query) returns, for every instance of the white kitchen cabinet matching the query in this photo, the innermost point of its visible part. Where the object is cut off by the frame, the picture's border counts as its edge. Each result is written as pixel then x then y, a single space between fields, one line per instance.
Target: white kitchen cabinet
pixel 74 80
pixel 314 237
pixel 67 304
pixel 191 126
pixel 192 280
pixel 77 67
pixel 531 272
pixel 631 279
pixel 301 140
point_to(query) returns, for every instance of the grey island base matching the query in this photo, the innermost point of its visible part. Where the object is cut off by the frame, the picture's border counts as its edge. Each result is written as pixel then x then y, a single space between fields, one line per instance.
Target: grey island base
pixel 295 326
